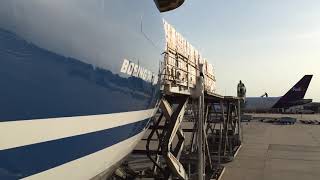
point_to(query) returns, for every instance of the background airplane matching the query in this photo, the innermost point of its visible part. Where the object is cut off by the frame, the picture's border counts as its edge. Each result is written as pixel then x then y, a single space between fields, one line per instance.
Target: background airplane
pixel 294 97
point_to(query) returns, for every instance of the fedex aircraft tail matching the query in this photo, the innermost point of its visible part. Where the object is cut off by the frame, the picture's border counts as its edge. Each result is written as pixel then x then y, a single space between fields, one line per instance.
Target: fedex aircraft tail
pixel 296 93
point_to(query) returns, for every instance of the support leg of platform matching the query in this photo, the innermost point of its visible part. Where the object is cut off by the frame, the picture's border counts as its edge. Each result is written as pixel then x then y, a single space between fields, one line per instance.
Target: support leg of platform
pixel 201 150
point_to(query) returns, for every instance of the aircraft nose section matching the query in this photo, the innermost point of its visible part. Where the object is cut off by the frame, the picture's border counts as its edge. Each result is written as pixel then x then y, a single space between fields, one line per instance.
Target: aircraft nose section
pixel 168 5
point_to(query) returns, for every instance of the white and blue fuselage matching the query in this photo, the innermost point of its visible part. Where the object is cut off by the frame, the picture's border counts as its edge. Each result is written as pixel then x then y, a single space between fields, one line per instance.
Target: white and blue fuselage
pixel 260 104
pixel 78 84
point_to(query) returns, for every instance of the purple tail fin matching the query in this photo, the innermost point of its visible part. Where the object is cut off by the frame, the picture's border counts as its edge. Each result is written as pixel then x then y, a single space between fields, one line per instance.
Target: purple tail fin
pixel 296 93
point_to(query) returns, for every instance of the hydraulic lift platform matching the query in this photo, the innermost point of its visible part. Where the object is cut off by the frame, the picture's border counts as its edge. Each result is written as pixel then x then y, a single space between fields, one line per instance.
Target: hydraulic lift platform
pixel 195 130
pixel 195 149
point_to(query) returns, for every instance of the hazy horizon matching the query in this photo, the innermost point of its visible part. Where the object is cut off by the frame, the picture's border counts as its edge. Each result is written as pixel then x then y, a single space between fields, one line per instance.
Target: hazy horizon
pixel 269 45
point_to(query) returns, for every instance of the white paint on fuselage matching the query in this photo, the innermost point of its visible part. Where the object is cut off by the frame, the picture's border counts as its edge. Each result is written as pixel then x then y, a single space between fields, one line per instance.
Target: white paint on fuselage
pixel 260 103
pixel 94 33
pixel 89 166
pixel 37 131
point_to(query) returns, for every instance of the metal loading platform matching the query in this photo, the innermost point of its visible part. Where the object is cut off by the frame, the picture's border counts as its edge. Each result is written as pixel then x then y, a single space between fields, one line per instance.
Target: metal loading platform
pixel 189 138
pixel 195 130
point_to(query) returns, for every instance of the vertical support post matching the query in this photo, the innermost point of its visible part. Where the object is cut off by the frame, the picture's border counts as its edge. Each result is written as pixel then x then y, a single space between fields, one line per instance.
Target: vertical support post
pixel 201 154
pixel 226 129
pixel 207 158
pixel 239 120
pixel 221 130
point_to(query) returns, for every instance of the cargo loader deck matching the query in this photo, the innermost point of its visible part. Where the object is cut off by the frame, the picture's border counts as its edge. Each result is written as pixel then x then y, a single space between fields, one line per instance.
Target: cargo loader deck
pixel 195 130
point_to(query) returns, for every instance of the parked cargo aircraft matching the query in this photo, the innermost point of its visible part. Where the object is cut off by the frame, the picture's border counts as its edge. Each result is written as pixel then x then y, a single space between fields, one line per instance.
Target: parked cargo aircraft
pixel 78 84
pixel 293 97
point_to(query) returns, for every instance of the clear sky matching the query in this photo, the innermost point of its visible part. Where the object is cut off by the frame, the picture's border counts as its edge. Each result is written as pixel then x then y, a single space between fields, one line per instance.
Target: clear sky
pixel 268 44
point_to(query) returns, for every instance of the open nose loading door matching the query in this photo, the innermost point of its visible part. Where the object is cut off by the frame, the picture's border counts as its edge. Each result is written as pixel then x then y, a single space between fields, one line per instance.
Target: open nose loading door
pixel 168 5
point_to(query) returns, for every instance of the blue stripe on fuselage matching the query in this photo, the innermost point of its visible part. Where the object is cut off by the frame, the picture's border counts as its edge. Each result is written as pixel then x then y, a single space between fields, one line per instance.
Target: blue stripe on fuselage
pixel 25 161
pixel 38 84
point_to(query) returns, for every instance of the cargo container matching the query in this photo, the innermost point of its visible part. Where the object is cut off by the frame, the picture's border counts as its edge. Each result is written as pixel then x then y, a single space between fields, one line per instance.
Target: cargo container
pixel 182 63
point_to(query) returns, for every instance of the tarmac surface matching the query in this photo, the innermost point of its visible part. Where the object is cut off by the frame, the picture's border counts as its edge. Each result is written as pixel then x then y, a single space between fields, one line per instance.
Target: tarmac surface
pixel 277 152
pixel 269 151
